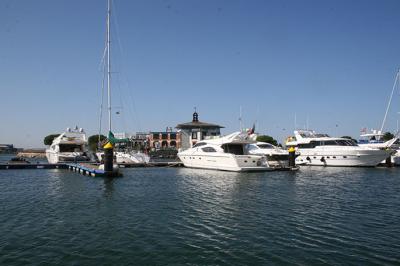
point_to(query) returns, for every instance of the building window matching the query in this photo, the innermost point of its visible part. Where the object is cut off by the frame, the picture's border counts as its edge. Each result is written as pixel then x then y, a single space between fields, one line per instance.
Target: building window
pixel 164 136
pixel 172 135
pixel 156 144
pixel 194 135
pixel 156 136
pixel 172 144
pixel 203 134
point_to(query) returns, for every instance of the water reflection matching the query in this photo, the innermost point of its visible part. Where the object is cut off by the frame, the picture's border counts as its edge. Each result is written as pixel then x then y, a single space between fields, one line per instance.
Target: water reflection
pixel 108 188
pixel 193 216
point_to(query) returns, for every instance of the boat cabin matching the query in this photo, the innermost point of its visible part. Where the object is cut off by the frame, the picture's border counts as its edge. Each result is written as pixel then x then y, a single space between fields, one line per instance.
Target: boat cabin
pixel 314 143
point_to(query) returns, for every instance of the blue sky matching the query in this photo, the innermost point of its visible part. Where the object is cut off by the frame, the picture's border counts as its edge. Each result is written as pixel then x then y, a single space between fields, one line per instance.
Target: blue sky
pixel 331 61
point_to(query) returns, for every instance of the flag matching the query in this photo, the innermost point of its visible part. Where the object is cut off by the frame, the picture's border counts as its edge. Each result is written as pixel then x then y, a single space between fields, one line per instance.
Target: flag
pixel 252 130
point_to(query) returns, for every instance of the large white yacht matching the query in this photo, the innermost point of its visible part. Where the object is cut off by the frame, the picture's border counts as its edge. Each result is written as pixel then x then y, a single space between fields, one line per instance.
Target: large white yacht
pixel 227 153
pixel 276 156
pixel 70 146
pixel 323 150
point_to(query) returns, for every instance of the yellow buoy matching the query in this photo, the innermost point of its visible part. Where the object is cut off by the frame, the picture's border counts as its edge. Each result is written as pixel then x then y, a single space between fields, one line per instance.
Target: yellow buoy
pixel 108 146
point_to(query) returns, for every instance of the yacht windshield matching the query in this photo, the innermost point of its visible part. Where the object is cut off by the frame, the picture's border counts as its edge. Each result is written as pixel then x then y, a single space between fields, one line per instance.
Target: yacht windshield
pixel 339 142
pixel 199 144
pixel 265 146
pixel 236 149
pixel 311 134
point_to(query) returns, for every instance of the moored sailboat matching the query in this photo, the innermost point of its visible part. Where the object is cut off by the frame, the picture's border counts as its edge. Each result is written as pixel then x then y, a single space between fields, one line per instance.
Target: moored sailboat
pixel 129 157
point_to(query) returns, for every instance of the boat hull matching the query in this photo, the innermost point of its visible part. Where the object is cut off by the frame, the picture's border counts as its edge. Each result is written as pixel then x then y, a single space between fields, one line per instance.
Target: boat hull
pixel 128 158
pixel 228 162
pixel 368 158
pixel 396 158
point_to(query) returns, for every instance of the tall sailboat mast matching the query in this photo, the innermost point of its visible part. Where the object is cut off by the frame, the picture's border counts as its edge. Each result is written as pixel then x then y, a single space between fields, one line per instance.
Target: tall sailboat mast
pixel 108 64
pixel 390 99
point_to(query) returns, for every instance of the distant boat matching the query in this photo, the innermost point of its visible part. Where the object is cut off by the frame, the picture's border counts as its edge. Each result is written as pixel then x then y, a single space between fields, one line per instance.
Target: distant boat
pixel 18 160
pixel 374 139
pixel 228 153
pixel 276 156
pixel 323 150
pixel 70 146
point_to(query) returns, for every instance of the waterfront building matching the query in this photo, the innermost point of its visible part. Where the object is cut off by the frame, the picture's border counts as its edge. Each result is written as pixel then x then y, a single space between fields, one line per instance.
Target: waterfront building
pixel 164 139
pixel 7 148
pixel 194 131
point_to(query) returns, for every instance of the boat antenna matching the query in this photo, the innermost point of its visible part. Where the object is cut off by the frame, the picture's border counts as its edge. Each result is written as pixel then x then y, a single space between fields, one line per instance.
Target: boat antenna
pixel 108 64
pixel 390 99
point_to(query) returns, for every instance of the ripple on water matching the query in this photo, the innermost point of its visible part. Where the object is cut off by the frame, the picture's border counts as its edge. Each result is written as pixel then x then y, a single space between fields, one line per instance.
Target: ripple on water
pixel 187 216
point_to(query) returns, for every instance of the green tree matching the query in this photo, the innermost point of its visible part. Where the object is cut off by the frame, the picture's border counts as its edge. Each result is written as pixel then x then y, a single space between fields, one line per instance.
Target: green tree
pixel 93 141
pixel 387 136
pixel 49 139
pixel 268 139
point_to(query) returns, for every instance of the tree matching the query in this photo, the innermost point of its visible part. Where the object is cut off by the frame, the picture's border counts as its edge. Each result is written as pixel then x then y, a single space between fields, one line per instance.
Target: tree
pixel 93 141
pixel 387 136
pixel 49 139
pixel 268 139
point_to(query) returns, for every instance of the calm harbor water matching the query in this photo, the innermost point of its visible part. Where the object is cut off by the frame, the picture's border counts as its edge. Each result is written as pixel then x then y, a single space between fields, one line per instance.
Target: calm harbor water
pixel 176 216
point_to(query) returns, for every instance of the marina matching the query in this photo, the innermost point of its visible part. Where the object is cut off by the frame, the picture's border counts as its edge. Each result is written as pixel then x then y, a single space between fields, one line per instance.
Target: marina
pixel 161 133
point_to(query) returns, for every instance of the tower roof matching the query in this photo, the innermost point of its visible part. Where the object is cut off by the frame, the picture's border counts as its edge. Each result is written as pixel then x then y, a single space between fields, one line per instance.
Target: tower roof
pixel 197 124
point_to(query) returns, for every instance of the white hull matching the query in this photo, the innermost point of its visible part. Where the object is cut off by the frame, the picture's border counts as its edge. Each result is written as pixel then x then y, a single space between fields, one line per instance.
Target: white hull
pixel 128 158
pixel 396 158
pixel 132 158
pixel 56 157
pixel 70 146
pixel 225 162
pixel 341 158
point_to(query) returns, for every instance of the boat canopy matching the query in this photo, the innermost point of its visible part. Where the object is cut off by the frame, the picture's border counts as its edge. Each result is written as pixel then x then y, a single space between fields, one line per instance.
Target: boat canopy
pixel 112 139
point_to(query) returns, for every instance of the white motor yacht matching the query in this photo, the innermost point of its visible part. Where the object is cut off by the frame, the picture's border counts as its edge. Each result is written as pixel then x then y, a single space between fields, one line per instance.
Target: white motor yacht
pixel 323 150
pixel 276 156
pixel 227 153
pixel 70 146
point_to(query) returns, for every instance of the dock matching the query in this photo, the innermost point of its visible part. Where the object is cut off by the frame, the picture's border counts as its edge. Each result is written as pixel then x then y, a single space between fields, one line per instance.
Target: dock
pixel 11 166
pixel 91 169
